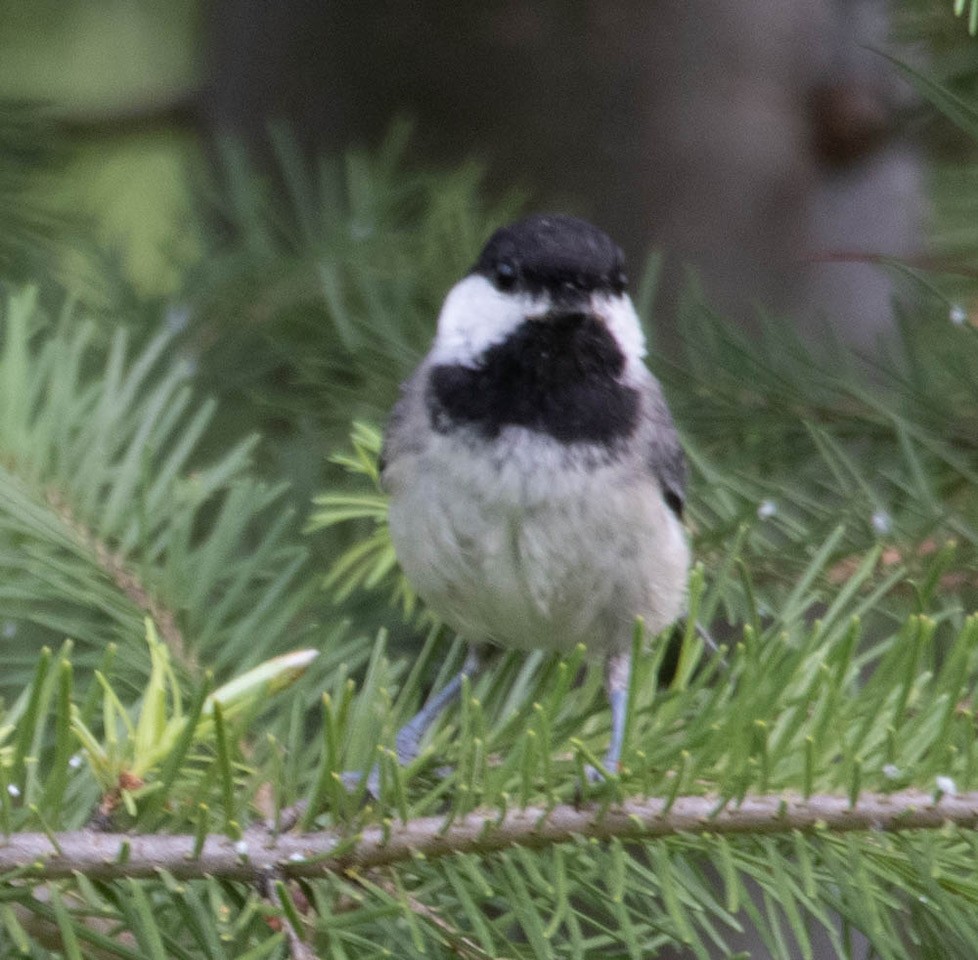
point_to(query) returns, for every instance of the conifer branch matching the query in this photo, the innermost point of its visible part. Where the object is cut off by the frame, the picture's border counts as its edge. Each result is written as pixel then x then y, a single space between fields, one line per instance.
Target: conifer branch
pixel 298 949
pixel 456 941
pixel 110 856
pixel 129 583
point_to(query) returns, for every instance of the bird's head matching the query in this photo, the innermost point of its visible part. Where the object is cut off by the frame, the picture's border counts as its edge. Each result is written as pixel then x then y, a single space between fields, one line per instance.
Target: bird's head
pixel 543 269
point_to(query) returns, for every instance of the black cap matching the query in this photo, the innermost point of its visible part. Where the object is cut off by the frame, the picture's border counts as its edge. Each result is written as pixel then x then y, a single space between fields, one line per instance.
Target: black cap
pixel 555 254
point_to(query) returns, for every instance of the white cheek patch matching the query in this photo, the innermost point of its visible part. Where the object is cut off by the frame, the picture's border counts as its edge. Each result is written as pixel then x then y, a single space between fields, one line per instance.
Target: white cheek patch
pixel 475 316
pixel 622 321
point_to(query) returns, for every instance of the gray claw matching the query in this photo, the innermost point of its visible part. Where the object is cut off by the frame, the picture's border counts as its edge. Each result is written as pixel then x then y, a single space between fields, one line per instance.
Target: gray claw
pixel 352 780
pixel 593 775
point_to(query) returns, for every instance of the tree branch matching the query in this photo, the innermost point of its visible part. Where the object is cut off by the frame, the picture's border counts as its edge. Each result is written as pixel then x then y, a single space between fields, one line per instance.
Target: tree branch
pixel 109 856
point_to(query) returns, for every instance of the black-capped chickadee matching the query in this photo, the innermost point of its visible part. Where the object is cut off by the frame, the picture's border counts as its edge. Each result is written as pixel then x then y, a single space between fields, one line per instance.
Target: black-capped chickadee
pixel 536 480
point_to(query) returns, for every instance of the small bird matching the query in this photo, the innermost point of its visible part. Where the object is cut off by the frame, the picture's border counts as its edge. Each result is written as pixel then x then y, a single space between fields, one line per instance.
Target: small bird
pixel 536 480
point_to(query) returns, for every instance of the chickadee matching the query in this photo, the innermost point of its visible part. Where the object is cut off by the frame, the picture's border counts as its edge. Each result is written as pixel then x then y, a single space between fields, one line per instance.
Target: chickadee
pixel 536 480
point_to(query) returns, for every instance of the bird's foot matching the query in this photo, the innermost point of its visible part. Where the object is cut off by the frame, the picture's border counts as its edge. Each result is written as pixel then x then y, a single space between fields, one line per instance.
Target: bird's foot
pixel 355 780
pixel 595 777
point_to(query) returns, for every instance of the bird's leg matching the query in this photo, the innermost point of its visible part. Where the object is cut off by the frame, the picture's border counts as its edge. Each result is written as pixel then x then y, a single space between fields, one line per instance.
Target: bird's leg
pixel 408 740
pixel 617 673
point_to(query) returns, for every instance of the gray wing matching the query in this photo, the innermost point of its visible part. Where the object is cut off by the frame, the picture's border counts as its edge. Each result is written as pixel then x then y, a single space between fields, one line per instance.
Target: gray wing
pixel 663 453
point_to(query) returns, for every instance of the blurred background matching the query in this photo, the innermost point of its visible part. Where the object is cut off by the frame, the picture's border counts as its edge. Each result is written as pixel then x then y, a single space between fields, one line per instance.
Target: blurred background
pixel 770 145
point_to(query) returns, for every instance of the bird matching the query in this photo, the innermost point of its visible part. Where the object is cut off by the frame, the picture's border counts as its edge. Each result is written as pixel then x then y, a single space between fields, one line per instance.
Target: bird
pixel 535 477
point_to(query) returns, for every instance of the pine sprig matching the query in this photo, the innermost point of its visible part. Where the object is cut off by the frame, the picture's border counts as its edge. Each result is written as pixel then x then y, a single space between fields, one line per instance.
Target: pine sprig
pixel 370 564
pixel 632 891
pixel 320 284
pixel 106 515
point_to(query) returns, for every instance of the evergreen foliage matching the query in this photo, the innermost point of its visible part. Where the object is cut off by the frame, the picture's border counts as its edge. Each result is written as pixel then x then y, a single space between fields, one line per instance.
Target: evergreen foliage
pixel 317 290
pixel 149 539
pixel 969 7
pixel 28 147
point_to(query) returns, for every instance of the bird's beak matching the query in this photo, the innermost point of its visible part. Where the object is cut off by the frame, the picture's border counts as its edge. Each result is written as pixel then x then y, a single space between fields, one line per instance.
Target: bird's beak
pixel 570 298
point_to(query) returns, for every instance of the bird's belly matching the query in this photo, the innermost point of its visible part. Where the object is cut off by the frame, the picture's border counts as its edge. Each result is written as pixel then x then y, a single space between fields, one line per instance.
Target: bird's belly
pixel 540 562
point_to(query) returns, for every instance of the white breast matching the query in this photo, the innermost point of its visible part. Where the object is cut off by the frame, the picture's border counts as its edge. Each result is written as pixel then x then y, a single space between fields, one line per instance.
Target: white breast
pixel 528 544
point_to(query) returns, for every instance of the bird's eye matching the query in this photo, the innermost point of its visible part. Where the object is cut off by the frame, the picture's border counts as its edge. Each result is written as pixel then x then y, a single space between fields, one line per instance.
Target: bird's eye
pixel 505 275
pixel 619 282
